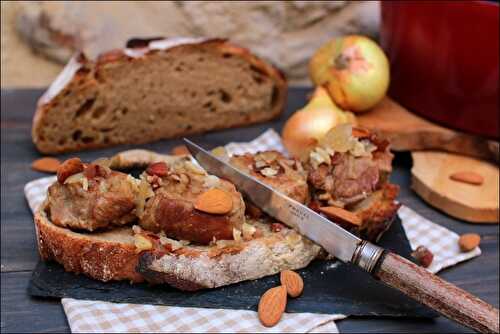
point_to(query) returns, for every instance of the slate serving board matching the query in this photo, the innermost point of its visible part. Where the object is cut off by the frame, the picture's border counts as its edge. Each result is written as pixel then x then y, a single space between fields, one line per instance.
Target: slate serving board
pixel 329 287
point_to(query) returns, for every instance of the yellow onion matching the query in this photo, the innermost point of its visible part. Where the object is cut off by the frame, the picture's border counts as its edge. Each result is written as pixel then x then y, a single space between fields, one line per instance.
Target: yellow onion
pixel 306 127
pixel 354 69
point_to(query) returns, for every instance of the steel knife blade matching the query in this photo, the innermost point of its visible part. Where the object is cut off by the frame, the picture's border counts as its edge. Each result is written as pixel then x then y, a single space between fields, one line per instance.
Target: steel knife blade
pixel 334 239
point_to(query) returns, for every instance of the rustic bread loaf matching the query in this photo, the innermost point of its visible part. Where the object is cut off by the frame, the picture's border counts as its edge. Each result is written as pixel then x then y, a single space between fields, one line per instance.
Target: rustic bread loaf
pixel 162 89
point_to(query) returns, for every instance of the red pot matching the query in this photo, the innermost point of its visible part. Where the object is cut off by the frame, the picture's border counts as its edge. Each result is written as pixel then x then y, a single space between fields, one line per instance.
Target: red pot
pixel 444 61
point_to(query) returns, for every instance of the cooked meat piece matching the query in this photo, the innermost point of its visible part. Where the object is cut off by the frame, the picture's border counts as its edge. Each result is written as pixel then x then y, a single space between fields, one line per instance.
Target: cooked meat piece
pixel 377 211
pixel 271 167
pixel 350 169
pixel 93 198
pixel 347 179
pixel 172 208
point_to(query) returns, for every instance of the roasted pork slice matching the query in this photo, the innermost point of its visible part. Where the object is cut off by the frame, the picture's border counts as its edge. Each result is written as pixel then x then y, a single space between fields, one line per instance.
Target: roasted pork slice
pixel 188 204
pixel 90 197
pixel 345 168
pixel 349 172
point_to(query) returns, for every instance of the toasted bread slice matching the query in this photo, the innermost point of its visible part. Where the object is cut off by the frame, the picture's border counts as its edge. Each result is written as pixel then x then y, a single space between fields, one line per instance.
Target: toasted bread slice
pixel 113 255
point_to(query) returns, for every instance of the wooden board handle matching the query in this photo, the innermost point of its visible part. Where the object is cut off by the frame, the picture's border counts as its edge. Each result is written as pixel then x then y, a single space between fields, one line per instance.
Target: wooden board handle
pixel 444 297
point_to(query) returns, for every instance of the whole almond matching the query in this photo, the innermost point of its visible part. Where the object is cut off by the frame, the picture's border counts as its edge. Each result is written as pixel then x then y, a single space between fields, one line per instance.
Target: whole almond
pixel 272 304
pixel 69 167
pixel 292 282
pixel 341 214
pixel 46 165
pixel 180 150
pixel 423 255
pixel 468 241
pixel 158 169
pixel 214 201
pixel 468 177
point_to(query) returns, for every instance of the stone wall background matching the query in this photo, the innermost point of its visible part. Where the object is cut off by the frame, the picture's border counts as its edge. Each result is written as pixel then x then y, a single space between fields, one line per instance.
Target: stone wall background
pixel 39 36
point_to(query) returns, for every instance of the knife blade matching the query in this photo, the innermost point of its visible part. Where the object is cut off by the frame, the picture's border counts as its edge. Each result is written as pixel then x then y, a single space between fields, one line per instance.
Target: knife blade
pixel 390 268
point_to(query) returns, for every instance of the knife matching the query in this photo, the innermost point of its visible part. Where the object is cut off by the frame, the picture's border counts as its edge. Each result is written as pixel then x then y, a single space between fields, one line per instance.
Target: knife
pixel 390 268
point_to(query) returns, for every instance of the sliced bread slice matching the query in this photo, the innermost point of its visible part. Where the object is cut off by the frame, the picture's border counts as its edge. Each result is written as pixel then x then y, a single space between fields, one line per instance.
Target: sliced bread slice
pixel 166 88
pixel 120 254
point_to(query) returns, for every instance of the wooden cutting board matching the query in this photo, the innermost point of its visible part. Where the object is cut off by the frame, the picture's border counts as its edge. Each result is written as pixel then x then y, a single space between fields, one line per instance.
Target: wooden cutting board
pixel 409 132
pixel 475 204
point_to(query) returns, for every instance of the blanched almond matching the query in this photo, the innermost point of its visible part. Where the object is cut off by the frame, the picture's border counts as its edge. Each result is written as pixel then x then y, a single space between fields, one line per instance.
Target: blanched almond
pixel 467 177
pixel 272 304
pixel 214 201
pixel 46 165
pixel 469 241
pixel 341 214
pixel 292 282
pixel 142 243
pixel 180 150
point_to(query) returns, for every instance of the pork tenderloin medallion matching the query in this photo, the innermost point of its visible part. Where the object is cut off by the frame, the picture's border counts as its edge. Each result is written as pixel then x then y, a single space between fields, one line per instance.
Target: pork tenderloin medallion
pixel 188 204
pixel 350 169
pixel 345 169
pixel 91 197
pixel 273 168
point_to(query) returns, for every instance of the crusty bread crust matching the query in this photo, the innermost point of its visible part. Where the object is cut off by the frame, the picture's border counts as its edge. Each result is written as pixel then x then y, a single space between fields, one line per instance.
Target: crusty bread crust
pixel 82 76
pixel 103 256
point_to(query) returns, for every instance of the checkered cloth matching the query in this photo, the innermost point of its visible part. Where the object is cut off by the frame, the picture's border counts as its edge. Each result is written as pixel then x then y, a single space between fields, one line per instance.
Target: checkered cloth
pixel 97 316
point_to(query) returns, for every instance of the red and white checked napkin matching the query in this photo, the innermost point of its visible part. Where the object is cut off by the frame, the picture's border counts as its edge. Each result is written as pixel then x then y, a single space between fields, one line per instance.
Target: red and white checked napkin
pixel 97 316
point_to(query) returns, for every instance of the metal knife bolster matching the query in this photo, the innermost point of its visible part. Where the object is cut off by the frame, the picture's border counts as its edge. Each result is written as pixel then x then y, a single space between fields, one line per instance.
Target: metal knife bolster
pixel 342 244
pixel 367 256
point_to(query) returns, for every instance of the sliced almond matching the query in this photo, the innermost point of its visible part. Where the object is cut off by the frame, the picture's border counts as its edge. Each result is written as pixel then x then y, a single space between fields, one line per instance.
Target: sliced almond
pixel 269 172
pixel 341 214
pixel 142 243
pixel 360 133
pixel 46 165
pixel 468 241
pixel 180 150
pixel 292 282
pixel 272 304
pixel 214 201
pixel 468 177
pixel 220 152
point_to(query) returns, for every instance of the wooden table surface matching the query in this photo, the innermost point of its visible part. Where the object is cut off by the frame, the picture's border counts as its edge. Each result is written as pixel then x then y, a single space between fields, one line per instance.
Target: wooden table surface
pixel 21 313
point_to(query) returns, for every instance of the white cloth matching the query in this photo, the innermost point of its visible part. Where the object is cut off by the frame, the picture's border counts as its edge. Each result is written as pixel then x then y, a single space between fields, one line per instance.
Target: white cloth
pixel 97 316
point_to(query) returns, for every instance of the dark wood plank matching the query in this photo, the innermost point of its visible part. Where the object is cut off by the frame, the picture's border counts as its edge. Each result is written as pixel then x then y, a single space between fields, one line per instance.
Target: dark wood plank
pixel 20 313
pixel 18 253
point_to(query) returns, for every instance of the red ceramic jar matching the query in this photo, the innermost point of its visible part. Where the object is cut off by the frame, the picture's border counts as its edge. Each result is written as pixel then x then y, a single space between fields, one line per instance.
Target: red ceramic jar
pixel 444 61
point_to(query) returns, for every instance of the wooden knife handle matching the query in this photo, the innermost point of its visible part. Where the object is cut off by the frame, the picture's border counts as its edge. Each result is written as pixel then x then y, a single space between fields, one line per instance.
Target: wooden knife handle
pixel 444 297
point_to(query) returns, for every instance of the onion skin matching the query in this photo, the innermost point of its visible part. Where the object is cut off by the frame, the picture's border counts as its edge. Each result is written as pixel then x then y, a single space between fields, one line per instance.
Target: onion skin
pixel 306 127
pixel 354 69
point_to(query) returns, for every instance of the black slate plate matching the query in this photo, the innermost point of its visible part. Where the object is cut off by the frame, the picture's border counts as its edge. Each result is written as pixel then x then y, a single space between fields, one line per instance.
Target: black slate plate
pixel 329 287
